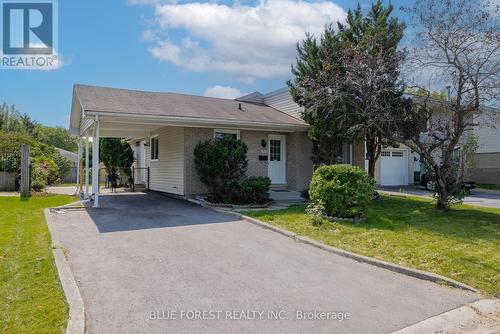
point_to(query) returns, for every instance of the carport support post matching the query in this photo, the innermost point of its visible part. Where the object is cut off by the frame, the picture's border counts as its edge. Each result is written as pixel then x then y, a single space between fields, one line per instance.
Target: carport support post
pixel 95 162
pixel 86 166
pixel 79 145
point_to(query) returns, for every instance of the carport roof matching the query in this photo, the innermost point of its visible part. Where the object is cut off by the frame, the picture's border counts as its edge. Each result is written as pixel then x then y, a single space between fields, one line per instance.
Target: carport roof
pixel 93 100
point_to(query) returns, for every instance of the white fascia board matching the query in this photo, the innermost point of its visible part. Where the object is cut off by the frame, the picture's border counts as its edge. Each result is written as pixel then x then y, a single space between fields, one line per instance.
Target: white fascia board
pixel 202 122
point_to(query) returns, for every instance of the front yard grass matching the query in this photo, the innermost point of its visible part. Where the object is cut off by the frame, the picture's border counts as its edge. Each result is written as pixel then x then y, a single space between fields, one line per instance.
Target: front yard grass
pixel 31 298
pixel 463 244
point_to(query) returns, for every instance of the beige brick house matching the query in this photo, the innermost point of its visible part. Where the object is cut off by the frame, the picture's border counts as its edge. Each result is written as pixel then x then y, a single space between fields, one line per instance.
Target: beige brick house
pixel 164 128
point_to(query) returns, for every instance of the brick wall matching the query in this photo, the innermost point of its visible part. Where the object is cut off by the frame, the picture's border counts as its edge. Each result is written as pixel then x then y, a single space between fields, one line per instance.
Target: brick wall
pixel 298 164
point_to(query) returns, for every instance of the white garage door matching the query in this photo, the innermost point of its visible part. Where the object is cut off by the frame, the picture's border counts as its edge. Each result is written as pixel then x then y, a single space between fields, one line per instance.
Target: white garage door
pixel 393 168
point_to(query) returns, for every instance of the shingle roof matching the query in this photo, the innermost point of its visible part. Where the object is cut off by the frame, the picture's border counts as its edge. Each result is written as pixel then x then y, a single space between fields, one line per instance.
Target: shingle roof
pixel 113 100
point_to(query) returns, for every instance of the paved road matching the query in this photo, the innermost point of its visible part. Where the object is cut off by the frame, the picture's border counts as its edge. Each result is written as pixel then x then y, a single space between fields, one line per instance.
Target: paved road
pixel 141 253
pixel 478 197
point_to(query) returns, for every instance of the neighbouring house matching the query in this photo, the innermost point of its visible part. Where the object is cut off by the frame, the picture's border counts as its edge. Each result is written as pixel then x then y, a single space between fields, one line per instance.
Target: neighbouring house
pixel 486 168
pixel 73 157
pixel 164 128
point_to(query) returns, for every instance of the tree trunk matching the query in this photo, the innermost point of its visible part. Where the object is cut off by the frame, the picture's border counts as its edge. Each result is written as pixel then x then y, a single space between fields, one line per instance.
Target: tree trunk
pixel 442 202
pixel 373 148
pixel 371 168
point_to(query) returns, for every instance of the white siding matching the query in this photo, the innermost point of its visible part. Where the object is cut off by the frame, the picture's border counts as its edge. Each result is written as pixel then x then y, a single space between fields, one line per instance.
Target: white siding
pixel 488 131
pixel 254 97
pixel 282 100
pixel 167 173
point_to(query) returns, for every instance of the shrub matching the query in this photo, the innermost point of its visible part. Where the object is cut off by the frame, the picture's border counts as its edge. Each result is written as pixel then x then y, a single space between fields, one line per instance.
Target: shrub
pixel 221 164
pixel 343 190
pixel 315 212
pixel 45 170
pixel 254 189
pixel 37 186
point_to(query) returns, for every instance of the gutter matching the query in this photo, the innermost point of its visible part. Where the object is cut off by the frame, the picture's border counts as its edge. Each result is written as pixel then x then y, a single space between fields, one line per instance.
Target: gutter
pixel 199 120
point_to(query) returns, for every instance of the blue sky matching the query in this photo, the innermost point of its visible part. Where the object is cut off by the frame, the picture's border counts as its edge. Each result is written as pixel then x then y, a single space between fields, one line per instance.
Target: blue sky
pixel 212 48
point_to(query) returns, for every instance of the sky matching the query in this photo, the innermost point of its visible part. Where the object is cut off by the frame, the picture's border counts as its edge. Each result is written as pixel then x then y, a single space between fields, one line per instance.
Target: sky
pixel 216 48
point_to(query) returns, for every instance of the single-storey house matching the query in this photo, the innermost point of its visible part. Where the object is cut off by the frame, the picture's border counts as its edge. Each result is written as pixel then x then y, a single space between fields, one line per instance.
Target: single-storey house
pixel 164 128
pixel 486 165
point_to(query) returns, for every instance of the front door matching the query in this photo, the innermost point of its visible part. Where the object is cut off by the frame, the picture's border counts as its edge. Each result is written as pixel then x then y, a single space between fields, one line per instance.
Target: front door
pixel 277 159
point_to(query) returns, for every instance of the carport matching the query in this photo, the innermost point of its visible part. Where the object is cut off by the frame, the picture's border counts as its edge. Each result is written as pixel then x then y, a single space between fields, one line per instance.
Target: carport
pixel 95 124
pixel 95 116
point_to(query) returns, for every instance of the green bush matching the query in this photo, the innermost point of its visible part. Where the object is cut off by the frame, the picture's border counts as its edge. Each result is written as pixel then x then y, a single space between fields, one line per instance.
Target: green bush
pixel 343 190
pixel 221 165
pixel 44 170
pixel 254 189
pixel 38 186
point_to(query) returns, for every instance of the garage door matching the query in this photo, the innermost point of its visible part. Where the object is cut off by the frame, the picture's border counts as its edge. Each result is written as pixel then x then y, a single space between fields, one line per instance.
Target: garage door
pixel 393 168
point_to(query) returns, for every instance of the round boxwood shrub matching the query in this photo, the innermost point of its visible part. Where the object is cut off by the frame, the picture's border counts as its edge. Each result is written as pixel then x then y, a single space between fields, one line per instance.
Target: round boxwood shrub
pixel 343 190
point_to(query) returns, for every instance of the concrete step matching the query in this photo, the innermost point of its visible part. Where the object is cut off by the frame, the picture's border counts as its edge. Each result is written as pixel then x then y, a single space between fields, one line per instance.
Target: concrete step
pixel 279 187
pixel 285 196
pixel 139 187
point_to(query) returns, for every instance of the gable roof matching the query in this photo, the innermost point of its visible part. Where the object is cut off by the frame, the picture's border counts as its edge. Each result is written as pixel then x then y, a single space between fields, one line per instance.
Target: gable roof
pixel 95 100
pixel 71 156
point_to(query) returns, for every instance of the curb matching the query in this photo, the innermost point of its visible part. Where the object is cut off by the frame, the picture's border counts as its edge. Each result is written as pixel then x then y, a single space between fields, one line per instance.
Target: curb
pixel 482 316
pixel 401 194
pixel 76 320
pixel 424 275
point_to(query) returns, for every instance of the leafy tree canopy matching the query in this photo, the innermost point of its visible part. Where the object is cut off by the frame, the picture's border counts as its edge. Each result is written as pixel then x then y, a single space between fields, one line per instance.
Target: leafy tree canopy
pixel 348 82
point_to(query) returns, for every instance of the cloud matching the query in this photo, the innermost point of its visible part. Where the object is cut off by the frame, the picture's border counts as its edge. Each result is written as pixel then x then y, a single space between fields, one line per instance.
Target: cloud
pixel 246 42
pixel 224 92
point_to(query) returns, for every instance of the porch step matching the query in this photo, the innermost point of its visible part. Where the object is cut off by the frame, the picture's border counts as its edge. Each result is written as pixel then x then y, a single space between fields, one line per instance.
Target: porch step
pixel 279 186
pixel 139 187
pixel 285 196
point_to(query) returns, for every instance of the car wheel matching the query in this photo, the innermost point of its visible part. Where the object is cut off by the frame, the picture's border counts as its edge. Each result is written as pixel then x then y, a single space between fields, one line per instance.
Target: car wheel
pixel 430 185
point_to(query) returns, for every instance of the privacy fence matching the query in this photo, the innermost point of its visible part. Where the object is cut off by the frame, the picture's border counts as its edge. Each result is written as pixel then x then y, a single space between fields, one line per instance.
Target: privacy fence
pixel 10 170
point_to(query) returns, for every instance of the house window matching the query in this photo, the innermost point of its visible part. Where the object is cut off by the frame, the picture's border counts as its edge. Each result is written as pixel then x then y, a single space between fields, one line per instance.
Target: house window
pixel 219 134
pixel 154 148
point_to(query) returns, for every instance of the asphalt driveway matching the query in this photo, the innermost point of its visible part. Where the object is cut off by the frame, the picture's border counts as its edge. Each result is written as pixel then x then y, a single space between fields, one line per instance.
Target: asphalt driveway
pixel 143 257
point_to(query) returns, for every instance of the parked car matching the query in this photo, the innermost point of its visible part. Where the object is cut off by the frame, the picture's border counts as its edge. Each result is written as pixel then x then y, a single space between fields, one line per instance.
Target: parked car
pixel 428 182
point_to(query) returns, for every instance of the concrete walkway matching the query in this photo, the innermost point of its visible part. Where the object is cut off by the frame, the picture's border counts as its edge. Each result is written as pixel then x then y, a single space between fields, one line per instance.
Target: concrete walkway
pixel 144 256
pixel 478 197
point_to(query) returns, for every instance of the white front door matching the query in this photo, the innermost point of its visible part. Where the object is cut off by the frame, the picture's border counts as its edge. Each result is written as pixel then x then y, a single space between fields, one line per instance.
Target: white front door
pixel 277 159
pixel 393 167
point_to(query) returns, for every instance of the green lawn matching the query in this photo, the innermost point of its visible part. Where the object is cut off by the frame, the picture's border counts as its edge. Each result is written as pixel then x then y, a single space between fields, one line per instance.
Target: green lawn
pixel 488 186
pixel 463 244
pixel 31 298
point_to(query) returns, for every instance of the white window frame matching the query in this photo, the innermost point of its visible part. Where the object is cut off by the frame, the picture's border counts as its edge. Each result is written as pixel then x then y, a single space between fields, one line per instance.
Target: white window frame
pixel 228 131
pixel 151 148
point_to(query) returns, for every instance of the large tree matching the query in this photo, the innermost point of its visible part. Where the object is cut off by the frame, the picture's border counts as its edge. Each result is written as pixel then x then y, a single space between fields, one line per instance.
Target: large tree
pixel 348 82
pixel 459 42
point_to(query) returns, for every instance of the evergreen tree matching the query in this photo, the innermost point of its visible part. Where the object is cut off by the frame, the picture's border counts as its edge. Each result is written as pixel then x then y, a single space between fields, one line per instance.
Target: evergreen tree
pixel 348 82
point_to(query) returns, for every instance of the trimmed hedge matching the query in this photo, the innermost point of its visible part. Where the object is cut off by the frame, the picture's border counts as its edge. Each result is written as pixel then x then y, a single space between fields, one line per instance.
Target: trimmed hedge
pixel 342 190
